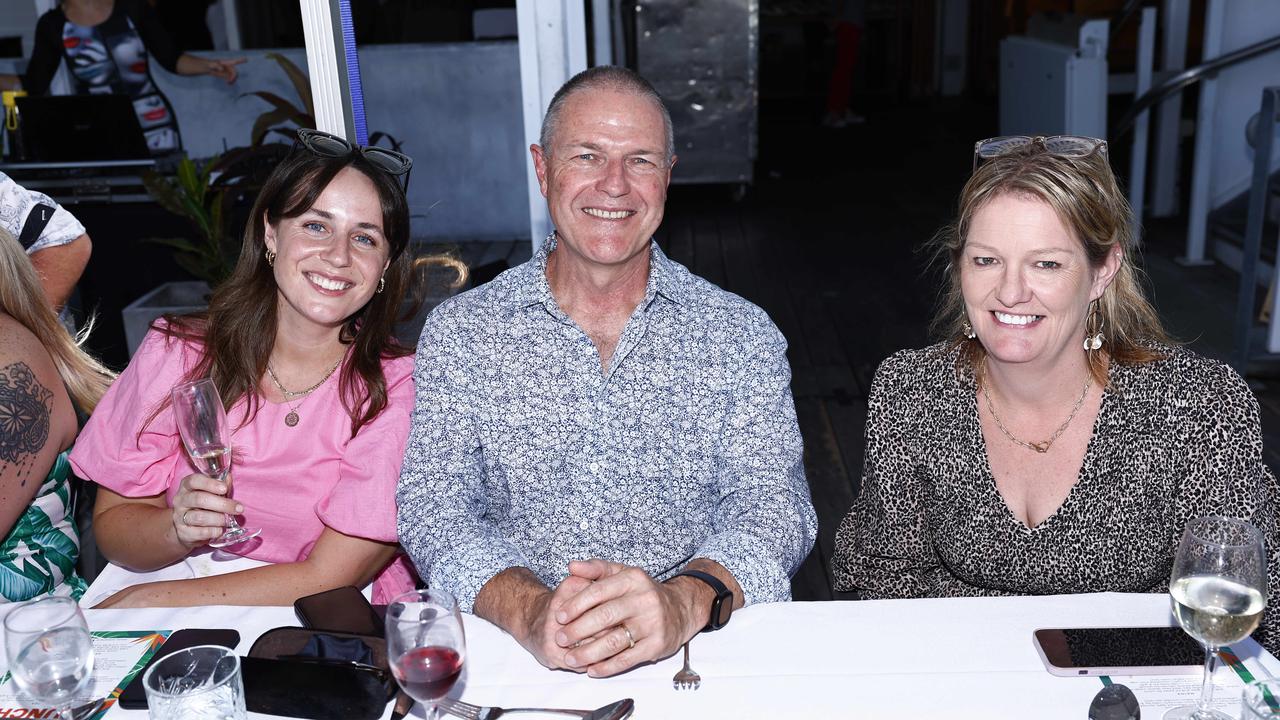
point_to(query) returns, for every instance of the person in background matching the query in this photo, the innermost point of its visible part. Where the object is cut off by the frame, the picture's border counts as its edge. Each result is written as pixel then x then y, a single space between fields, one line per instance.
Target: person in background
pixel 45 378
pixel 1055 440
pixel 56 242
pixel 107 45
pixel 604 459
pixel 318 392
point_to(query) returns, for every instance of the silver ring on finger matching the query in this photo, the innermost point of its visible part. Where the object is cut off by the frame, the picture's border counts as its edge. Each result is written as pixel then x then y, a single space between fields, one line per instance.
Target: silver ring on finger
pixel 184 516
pixel 630 638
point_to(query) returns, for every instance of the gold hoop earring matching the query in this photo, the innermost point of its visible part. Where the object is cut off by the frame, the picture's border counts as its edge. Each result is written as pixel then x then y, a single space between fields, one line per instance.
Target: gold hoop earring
pixel 271 257
pixel 1093 325
pixel 382 284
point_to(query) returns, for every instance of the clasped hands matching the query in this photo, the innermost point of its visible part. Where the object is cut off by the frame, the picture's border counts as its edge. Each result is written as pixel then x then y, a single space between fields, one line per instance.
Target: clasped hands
pixel 606 617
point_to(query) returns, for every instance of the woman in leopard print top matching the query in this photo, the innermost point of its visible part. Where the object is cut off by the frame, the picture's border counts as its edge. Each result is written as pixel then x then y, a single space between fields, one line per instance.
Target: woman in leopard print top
pixel 1021 456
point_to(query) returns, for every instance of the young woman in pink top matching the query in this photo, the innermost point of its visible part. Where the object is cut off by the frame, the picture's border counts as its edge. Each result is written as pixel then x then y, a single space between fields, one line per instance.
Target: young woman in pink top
pixel 299 343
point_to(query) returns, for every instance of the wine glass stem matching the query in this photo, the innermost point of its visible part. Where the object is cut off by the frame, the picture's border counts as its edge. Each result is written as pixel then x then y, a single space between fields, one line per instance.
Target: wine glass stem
pixel 1206 686
pixel 231 524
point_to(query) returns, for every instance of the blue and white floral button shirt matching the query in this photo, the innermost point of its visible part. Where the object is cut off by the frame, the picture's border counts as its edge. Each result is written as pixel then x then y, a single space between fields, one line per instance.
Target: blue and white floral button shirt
pixel 523 452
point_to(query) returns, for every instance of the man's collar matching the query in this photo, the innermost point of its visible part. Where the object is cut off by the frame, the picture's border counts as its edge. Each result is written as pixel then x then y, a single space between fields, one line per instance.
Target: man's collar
pixel 663 279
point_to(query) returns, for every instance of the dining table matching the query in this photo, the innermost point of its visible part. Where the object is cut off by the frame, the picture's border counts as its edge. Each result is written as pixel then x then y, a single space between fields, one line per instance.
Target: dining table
pixel 917 658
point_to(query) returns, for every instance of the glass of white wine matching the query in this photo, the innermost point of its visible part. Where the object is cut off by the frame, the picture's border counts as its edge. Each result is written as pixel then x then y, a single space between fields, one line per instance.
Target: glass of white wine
pixel 202 423
pixel 1218 590
pixel 49 651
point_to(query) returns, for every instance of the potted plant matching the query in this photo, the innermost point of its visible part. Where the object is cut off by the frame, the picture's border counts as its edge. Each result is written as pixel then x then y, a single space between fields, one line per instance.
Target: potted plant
pixel 215 196
pixel 208 255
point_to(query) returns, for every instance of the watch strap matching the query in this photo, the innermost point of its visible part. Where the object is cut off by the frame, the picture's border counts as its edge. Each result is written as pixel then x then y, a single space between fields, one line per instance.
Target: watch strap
pixel 721 605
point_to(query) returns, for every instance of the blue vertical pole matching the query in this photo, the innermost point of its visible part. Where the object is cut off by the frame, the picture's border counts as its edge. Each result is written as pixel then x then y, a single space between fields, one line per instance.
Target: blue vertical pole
pixel 355 89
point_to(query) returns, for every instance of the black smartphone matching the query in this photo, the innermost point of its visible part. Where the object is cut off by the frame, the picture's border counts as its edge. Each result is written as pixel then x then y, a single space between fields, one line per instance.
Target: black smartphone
pixel 343 609
pixel 1071 652
pixel 134 697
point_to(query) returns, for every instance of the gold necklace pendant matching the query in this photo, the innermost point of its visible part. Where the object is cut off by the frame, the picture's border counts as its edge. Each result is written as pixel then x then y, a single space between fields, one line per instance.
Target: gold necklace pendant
pixel 1043 446
pixel 292 418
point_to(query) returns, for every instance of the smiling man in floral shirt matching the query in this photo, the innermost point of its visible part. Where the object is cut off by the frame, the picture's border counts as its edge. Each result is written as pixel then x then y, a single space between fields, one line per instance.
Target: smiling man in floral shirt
pixel 604 458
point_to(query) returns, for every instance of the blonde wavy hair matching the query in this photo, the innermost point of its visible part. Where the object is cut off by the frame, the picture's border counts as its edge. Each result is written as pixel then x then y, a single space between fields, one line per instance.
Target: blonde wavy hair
pixel 1085 195
pixel 22 298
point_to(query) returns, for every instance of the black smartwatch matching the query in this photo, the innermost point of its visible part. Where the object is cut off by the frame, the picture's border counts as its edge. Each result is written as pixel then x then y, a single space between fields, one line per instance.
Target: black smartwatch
pixel 721 606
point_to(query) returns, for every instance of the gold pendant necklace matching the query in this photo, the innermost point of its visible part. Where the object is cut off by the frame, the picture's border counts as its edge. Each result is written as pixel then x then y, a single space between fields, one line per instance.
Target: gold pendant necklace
pixel 292 418
pixel 1042 446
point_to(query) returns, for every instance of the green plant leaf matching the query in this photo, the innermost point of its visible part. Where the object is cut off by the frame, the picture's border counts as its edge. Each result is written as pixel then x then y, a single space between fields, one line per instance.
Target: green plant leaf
pixel 301 83
pixel 276 101
pixel 193 265
pixel 198 214
pixel 191 180
pixel 267 120
pixel 181 244
pixel 163 192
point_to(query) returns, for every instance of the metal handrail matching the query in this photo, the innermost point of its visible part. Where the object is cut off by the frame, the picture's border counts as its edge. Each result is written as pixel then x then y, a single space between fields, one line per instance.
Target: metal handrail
pixel 1268 115
pixel 1188 77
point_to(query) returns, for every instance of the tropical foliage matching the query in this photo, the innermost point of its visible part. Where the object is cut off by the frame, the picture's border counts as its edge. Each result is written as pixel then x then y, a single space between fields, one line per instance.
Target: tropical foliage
pixel 192 195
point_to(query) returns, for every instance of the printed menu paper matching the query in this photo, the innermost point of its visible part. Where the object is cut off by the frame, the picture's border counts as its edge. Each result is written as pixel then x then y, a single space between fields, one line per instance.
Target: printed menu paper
pixel 117 657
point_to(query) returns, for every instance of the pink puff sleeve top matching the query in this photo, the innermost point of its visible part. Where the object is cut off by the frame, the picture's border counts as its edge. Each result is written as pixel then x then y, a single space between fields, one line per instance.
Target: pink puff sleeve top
pixel 292 481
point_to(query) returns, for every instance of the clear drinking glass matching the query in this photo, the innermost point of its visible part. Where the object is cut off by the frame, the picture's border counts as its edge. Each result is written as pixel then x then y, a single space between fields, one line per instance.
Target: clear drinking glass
pixel 425 645
pixel 199 683
pixel 202 423
pixel 1218 590
pixel 50 653
pixel 1261 700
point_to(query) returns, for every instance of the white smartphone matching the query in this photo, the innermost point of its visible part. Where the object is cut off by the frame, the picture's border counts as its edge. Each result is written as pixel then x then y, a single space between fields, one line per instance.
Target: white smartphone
pixel 1072 652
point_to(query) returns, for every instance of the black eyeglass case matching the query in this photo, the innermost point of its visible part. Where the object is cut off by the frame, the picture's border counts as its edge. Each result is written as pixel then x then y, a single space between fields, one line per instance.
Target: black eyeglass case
pixel 303 673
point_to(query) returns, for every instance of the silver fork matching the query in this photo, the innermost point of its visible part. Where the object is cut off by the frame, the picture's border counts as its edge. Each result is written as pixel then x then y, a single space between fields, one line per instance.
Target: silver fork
pixel 467 711
pixel 686 679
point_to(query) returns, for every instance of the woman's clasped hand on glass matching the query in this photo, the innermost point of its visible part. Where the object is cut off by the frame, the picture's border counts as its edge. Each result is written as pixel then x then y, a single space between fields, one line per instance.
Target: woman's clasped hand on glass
pixel 1055 440
pixel 318 393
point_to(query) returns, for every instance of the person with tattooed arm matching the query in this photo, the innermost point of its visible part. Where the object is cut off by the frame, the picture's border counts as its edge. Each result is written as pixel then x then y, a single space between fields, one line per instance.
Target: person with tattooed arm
pixel 44 377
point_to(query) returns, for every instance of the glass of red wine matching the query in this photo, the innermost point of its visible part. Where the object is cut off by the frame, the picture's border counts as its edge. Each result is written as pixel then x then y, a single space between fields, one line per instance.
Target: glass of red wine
pixel 425 645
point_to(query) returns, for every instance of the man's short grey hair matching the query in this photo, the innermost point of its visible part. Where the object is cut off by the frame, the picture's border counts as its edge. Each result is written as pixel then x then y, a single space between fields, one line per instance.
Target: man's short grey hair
pixel 604 77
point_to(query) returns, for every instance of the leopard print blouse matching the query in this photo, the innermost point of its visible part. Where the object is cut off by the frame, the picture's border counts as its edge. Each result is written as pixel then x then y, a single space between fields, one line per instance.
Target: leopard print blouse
pixel 1175 439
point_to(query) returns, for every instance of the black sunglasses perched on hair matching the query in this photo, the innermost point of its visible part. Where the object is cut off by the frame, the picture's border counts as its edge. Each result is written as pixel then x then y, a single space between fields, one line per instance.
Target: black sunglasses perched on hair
pixel 1070 146
pixel 329 145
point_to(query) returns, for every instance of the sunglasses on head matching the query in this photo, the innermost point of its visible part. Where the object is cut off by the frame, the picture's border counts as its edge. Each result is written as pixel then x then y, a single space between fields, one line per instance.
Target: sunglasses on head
pixel 1069 146
pixel 326 144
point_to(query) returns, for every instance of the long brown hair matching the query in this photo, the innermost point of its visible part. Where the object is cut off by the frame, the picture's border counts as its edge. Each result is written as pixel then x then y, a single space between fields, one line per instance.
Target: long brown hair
pixel 238 331
pixel 23 299
pixel 1086 197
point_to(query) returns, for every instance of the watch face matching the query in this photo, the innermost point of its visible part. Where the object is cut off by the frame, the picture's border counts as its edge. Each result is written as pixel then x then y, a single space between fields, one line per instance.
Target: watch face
pixel 721 609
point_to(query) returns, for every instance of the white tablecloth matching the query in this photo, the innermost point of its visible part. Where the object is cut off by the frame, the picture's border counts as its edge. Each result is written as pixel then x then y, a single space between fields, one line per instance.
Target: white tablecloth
pixel 953 658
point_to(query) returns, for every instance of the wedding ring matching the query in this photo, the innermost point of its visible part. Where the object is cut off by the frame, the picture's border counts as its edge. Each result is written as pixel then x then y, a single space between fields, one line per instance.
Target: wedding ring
pixel 184 516
pixel 630 638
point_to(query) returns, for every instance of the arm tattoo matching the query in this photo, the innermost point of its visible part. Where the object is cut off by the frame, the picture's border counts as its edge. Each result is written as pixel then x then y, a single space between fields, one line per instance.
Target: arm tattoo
pixel 24 417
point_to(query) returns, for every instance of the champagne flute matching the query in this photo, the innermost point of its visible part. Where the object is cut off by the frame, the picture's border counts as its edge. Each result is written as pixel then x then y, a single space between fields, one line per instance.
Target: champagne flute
pixel 1218 590
pixel 202 423
pixel 49 650
pixel 425 645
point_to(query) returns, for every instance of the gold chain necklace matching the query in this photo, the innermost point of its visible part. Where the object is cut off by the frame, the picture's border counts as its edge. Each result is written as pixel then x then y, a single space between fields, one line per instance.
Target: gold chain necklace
pixel 292 418
pixel 1042 446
